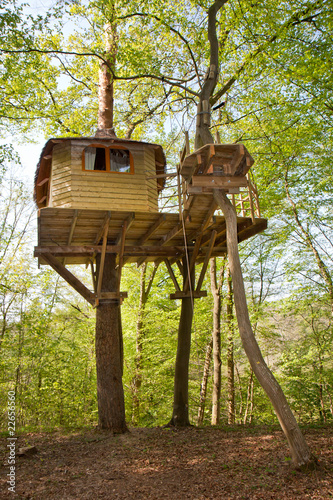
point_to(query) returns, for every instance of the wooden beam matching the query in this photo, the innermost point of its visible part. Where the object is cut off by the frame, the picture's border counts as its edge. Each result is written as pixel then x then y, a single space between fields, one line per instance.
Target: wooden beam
pixel 70 278
pixel 121 253
pixel 129 221
pixel 172 275
pixel 71 231
pixel 129 251
pixel 183 295
pixel 93 275
pixel 205 223
pixel 205 264
pixel 151 230
pixel 101 266
pixel 192 263
pixel 215 181
pixel 171 234
pixel 44 181
pixel 113 295
pixel 102 228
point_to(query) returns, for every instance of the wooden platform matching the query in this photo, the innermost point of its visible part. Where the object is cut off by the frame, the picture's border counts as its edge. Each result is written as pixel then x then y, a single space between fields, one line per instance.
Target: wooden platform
pixel 224 160
pixel 75 236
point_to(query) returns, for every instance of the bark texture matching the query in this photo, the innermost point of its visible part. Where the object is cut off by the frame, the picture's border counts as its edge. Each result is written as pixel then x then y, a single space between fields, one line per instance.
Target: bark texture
pixel 180 415
pixel 203 135
pixel 299 449
pixel 105 90
pixel 109 355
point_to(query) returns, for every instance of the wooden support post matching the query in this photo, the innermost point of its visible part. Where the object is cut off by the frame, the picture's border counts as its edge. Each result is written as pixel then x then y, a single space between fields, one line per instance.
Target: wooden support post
pixel 101 265
pixel 71 231
pixel 207 257
pixel 172 275
pixel 121 253
pixel 93 275
pixel 187 143
pixel 179 190
pixel 69 277
pixel 192 263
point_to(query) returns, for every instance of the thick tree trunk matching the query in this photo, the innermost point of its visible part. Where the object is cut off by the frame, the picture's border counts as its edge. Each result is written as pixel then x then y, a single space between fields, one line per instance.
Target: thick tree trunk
pixel 230 352
pixel 204 383
pixel 180 416
pixel 105 89
pixel 216 403
pixel 203 135
pixel 300 452
pixel 110 393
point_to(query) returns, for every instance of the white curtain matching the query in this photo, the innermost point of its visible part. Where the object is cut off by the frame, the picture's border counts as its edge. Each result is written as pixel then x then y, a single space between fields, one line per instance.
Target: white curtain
pixel 89 158
pixel 119 160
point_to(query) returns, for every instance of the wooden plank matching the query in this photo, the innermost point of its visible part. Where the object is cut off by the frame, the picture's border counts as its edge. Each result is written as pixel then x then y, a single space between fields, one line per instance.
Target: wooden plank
pixel 159 221
pixel 130 251
pixel 207 257
pixel 70 278
pixel 44 181
pixel 215 181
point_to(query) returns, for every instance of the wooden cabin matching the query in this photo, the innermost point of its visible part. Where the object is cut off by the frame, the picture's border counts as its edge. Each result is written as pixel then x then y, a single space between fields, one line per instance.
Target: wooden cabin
pixel 100 173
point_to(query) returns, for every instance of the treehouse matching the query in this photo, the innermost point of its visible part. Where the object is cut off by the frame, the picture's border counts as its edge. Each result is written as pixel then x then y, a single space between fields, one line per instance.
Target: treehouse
pixel 99 196
pixel 100 173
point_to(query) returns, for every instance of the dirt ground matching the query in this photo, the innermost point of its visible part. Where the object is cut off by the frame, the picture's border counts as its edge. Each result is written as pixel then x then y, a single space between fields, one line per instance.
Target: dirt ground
pixel 163 463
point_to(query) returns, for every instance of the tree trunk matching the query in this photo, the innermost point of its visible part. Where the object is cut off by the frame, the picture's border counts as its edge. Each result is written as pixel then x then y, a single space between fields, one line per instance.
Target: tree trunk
pixel 300 452
pixel 249 400
pixel 110 393
pixel 203 135
pixel 230 352
pixel 180 415
pixel 204 383
pixel 105 89
pixel 216 334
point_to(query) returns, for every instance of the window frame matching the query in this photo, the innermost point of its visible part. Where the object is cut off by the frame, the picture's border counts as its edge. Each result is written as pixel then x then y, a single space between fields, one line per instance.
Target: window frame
pixel 107 159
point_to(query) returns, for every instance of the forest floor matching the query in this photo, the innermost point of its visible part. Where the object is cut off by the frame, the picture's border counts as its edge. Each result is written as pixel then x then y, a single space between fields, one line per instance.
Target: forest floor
pixel 162 463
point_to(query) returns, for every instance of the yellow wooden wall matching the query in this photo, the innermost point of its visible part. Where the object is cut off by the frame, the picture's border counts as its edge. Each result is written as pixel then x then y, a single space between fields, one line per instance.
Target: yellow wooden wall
pixel 72 187
pixel 61 176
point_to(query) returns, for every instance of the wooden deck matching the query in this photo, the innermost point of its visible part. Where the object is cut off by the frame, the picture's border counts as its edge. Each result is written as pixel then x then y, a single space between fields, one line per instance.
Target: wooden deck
pixel 76 235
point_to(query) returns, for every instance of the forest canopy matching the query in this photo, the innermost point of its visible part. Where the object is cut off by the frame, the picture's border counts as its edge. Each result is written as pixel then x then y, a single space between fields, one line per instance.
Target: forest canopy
pixel 273 94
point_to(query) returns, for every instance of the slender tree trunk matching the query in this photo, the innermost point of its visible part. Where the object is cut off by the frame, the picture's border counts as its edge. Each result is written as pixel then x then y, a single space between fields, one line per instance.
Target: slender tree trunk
pixel 216 403
pixel 180 415
pixel 240 412
pixel 204 383
pixel 249 400
pixel 230 352
pixel 300 452
pixel 137 379
pixel 109 354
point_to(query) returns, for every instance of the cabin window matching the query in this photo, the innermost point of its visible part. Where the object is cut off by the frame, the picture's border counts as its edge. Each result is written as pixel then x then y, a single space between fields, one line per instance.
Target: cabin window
pixel 94 159
pixel 113 159
pixel 120 160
